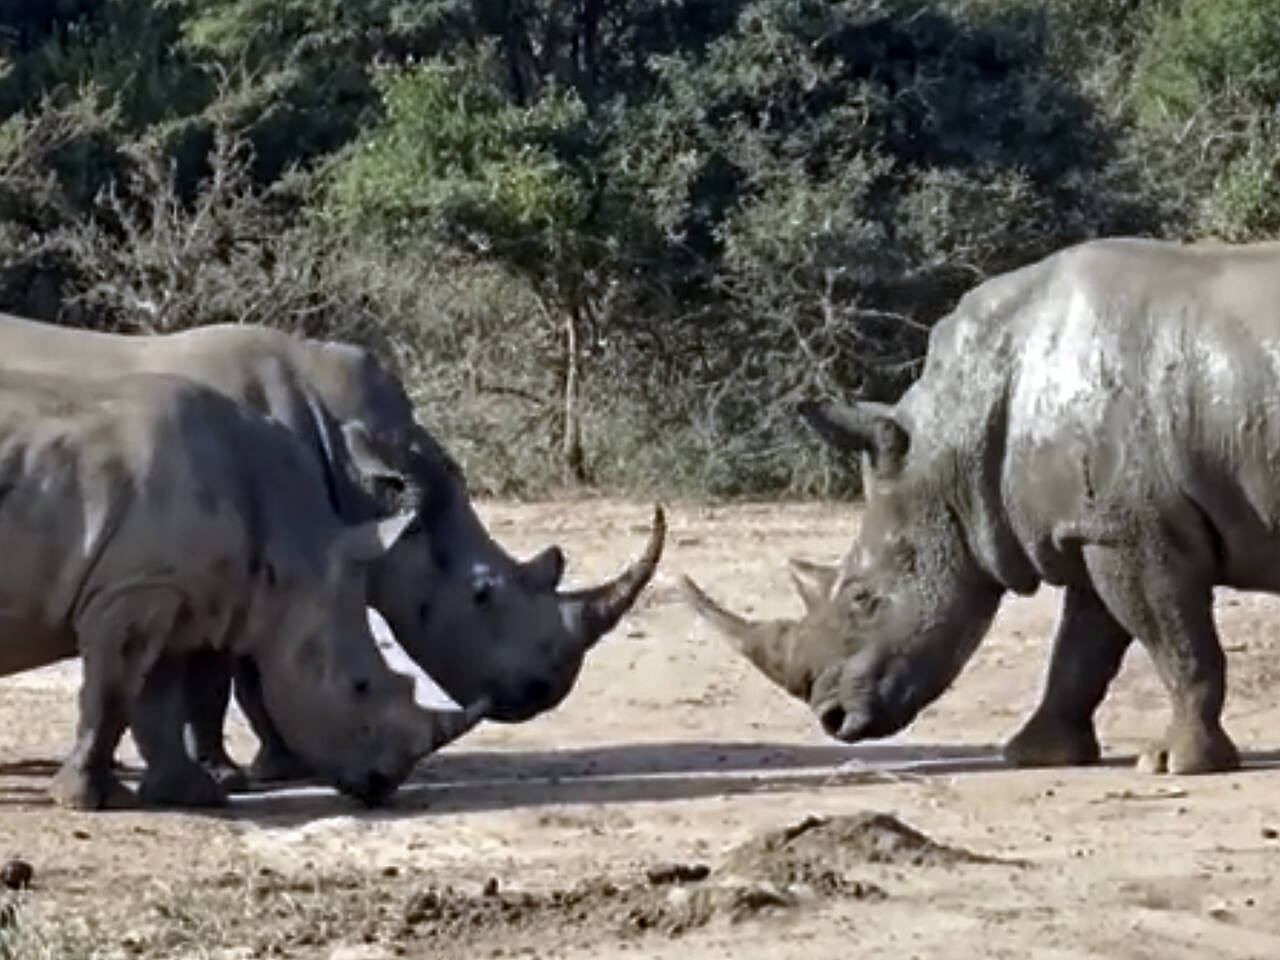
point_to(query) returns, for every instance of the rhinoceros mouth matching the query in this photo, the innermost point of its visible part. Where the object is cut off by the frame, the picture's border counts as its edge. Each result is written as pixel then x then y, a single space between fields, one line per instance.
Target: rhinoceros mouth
pixel 372 791
pixel 842 725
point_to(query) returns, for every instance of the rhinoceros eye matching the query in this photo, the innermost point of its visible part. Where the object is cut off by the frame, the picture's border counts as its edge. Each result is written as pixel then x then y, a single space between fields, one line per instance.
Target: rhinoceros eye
pixel 864 602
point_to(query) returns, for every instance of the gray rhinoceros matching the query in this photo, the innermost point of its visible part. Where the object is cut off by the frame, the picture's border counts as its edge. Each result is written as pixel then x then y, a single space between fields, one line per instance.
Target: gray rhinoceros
pixel 478 622
pixel 1106 420
pixel 145 518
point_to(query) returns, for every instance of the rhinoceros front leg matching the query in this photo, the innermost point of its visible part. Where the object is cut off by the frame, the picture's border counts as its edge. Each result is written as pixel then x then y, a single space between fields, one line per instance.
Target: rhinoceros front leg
pixel 274 761
pixel 208 692
pixel 87 780
pixel 1088 649
pixel 157 717
pixel 1161 597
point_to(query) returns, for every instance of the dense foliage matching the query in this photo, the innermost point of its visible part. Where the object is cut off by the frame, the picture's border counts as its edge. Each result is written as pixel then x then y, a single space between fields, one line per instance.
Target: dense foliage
pixel 611 243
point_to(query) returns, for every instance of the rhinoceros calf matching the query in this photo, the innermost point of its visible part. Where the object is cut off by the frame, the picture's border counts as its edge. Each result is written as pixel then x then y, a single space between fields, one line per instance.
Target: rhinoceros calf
pixel 478 622
pixel 145 518
pixel 1106 420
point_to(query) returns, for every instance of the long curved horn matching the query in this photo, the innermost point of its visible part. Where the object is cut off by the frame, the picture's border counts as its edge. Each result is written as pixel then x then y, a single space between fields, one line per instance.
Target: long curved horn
pixel 590 614
pixel 766 643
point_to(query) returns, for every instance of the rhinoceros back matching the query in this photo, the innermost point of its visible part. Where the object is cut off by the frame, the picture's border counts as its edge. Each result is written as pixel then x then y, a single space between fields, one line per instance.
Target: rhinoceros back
pixel 276 373
pixel 1115 378
pixel 146 478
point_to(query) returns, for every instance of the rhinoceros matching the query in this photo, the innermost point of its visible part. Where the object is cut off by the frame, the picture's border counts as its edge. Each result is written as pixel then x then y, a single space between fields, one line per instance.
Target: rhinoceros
pixel 478 622
pixel 1106 420
pixel 145 518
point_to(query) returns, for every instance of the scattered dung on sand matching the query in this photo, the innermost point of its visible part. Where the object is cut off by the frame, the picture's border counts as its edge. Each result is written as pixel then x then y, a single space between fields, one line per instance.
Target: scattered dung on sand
pixel 16 874
pixel 665 873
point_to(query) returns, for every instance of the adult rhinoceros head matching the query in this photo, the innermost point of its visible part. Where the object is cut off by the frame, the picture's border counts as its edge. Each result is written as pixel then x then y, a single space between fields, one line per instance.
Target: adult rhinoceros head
pixel 888 630
pixel 328 687
pixel 481 623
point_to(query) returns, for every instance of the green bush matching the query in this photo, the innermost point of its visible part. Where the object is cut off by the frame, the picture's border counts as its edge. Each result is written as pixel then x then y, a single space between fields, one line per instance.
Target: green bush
pixel 1202 52
pixel 613 244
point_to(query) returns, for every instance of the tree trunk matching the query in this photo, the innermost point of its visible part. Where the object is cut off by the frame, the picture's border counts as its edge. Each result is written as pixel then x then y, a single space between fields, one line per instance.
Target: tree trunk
pixel 589 28
pixel 571 451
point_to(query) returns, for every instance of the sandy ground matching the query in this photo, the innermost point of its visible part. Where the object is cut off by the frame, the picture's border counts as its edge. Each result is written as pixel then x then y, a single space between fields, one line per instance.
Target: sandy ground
pixel 672 750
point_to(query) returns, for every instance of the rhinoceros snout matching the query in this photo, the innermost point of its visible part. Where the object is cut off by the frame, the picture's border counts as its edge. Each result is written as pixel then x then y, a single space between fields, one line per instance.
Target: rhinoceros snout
pixel 534 696
pixel 372 790
pixel 843 725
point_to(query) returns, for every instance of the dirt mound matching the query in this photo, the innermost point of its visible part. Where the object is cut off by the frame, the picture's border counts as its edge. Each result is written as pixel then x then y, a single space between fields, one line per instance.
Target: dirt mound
pixel 771 875
pixel 664 904
pixel 821 850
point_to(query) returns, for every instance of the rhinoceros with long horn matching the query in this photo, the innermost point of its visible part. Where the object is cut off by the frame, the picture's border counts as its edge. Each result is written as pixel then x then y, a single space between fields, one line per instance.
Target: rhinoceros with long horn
pixel 477 621
pixel 1106 420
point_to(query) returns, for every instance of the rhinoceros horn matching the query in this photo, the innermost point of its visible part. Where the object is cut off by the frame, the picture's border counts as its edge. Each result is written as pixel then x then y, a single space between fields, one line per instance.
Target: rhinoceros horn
pixel 441 727
pixel 766 643
pixel 864 427
pixel 591 613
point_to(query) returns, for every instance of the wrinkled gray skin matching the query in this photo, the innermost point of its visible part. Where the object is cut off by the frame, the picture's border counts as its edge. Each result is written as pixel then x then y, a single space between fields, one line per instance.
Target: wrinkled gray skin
pixel 1105 420
pixel 478 622
pixel 147 518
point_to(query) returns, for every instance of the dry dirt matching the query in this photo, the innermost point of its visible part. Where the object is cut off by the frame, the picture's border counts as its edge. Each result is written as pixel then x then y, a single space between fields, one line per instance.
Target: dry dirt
pixel 678 806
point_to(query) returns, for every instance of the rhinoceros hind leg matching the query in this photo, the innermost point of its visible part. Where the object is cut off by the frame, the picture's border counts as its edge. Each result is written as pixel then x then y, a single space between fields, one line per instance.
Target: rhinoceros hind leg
pixel 1162 592
pixel 157 715
pixel 1190 748
pixel 1087 651
pixel 274 762
pixel 208 692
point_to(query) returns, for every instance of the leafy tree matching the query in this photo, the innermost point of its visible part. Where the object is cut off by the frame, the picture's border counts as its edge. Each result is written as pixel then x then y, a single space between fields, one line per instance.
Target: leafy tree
pixel 516 183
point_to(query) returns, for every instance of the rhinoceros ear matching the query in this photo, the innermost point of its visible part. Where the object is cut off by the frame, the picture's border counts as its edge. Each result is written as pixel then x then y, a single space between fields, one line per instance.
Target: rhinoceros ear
pixel 813 581
pixel 542 573
pixel 365 455
pixel 864 427
pixel 366 542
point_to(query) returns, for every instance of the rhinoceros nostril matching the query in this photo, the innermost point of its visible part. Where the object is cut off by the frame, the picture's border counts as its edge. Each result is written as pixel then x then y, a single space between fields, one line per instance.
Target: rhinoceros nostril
pixel 832 719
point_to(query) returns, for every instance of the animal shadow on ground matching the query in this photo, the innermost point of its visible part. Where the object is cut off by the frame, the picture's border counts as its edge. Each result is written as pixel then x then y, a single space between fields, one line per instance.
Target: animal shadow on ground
pixel 459 781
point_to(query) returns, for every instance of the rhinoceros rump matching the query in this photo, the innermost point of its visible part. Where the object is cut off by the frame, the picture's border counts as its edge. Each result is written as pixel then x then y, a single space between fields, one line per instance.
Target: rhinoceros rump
pixel 146 518
pixel 478 622
pixel 1105 420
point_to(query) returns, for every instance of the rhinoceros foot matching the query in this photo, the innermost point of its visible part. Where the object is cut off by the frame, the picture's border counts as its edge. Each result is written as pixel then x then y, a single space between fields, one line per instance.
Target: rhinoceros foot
pixel 79 789
pixel 1190 748
pixel 228 774
pixel 277 766
pixel 1048 741
pixel 186 785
